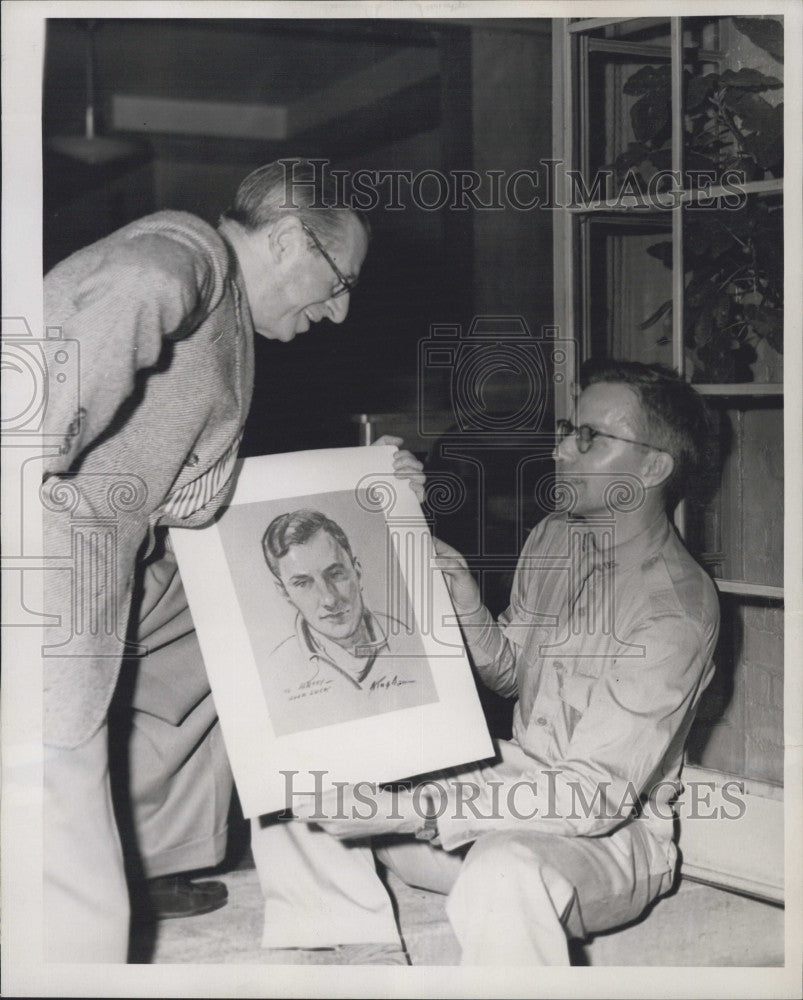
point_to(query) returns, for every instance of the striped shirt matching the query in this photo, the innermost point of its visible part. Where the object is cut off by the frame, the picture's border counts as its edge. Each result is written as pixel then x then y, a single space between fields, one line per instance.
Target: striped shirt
pixel 194 496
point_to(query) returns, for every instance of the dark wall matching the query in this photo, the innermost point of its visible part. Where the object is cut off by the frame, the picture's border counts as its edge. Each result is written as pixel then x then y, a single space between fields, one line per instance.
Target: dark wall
pixel 424 267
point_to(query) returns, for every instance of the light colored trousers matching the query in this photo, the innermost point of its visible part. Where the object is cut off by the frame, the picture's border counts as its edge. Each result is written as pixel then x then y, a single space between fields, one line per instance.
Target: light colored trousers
pixel 514 898
pixel 179 789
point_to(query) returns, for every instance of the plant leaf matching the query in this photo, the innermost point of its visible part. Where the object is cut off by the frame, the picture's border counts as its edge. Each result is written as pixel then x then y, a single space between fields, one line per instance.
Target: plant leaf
pixel 662 251
pixel 766 152
pixel 721 311
pixel 700 89
pixel 739 224
pixel 757 115
pixel 769 252
pixel 647 79
pixel 766 322
pixel 710 142
pixel 721 241
pixel 697 161
pixel 662 309
pixel 718 363
pixel 775 339
pixel 749 79
pixel 635 153
pixel 698 291
pixel 649 115
pixel 765 32
pixel 661 159
pixel 704 327
pixel 697 240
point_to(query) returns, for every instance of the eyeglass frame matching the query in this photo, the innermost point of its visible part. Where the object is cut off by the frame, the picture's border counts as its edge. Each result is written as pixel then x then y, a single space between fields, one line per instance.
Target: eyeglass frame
pixel 563 428
pixel 348 284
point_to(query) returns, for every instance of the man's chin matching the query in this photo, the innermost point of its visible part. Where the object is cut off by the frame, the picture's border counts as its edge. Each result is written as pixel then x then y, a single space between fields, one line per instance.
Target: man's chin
pixel 283 334
pixel 339 633
pixel 569 485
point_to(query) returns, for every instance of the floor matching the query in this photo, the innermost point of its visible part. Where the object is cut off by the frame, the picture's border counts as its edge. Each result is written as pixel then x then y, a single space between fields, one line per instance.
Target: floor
pixel 695 926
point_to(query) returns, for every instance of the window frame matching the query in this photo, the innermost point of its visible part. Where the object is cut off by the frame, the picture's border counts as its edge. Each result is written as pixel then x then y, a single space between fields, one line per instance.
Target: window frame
pixel 741 860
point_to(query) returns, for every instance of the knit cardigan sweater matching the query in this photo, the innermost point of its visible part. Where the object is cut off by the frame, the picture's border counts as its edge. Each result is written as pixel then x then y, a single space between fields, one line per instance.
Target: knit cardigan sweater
pixel 158 316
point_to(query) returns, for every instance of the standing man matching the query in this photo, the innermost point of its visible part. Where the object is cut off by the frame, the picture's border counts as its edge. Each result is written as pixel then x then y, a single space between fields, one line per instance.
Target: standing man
pixel 607 646
pixel 163 312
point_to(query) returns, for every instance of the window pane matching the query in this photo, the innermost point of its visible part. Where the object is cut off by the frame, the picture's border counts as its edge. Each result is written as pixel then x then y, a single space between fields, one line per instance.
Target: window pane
pixel 739 725
pixel 738 533
pixel 628 312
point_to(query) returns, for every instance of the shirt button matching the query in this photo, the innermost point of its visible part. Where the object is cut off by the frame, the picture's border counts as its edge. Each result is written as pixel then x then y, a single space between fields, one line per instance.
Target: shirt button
pixel 192 461
pixel 558 665
pixel 541 721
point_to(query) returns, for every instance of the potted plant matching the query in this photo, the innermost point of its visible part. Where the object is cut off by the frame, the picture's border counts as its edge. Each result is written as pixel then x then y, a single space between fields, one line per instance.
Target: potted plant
pixel 733 259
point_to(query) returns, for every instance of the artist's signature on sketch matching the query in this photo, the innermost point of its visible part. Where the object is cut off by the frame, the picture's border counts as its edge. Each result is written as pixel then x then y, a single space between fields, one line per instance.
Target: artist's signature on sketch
pixel 389 682
pixel 317 685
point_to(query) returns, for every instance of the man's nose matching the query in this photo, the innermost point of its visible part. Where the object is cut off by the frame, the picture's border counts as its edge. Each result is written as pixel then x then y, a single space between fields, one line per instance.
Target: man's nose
pixel 566 448
pixel 337 308
pixel 328 594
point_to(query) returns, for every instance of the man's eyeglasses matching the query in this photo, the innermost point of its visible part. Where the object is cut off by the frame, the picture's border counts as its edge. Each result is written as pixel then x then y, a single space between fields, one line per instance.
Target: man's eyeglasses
pixel 345 284
pixel 584 435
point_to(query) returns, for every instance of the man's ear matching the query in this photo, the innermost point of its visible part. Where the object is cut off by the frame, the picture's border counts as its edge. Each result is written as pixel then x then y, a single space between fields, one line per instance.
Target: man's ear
pixel 658 467
pixel 287 238
pixel 281 590
pixel 356 564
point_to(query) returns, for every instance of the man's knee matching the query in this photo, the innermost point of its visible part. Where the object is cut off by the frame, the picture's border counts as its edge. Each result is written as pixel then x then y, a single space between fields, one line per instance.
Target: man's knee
pixel 516 861
pixel 501 854
pixel 516 875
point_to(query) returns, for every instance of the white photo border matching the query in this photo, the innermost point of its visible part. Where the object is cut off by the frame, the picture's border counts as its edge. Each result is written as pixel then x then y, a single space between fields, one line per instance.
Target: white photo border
pixel 26 974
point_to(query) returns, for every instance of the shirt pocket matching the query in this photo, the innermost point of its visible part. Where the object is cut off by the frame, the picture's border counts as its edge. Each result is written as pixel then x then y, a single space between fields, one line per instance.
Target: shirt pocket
pixel 575 694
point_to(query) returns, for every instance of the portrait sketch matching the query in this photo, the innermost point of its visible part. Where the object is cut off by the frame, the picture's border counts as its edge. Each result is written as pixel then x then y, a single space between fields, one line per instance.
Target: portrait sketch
pixel 315 577
pixel 328 636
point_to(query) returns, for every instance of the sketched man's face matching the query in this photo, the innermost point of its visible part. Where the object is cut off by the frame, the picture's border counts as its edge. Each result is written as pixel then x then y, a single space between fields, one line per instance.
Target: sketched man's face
pixel 321 581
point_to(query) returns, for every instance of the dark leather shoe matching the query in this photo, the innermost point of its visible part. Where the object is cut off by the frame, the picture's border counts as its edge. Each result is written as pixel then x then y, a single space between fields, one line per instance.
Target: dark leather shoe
pixel 172 896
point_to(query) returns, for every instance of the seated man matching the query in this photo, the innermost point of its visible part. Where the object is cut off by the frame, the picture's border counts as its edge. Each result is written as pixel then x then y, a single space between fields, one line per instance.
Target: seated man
pixel 607 646
pixel 343 661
